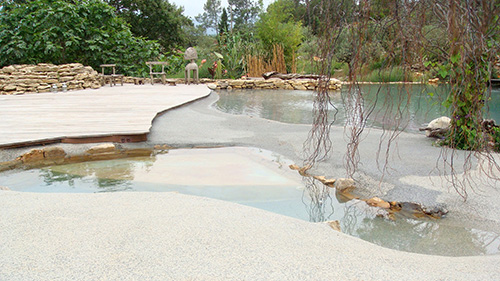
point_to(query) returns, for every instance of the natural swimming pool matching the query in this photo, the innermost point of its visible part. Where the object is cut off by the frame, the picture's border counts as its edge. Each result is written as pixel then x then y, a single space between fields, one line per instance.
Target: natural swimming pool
pixel 260 179
pixel 406 106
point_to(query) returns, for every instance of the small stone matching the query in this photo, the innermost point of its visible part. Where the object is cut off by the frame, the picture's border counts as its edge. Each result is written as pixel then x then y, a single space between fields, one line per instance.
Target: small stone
pixel 4 188
pixel 320 178
pixel 8 69
pixel 222 84
pixel 344 184
pixel 102 148
pixel 335 225
pixel 436 212
pixel 212 86
pixel 433 81
pixel 237 83
pixel 35 155
pixel 377 202
pixel 9 88
pixel 329 182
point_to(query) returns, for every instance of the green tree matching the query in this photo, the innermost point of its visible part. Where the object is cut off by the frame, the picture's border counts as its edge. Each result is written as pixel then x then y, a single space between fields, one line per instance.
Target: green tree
pixel 210 18
pixel 244 13
pixel 154 19
pixel 57 31
pixel 223 27
pixel 278 26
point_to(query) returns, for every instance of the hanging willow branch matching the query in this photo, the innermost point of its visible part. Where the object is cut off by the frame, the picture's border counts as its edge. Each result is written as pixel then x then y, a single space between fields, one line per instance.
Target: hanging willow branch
pixel 460 36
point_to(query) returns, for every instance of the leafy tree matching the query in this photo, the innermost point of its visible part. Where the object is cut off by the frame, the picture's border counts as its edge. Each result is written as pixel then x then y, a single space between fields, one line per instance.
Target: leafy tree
pixel 153 19
pixel 57 31
pixel 243 13
pixel 278 26
pixel 210 18
pixel 223 23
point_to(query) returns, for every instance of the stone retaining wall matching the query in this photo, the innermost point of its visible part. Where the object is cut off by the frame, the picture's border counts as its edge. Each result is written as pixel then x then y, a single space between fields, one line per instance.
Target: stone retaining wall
pixel 20 79
pixel 274 83
pixel 48 156
pixel 40 78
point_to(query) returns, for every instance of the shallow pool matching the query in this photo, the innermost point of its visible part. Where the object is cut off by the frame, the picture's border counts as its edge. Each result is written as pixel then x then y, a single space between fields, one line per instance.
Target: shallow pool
pixel 260 179
pixel 407 107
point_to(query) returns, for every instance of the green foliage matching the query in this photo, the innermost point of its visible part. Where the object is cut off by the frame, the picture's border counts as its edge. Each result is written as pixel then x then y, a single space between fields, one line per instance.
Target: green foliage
pixel 210 16
pixel 154 19
pixel 393 74
pixel 278 27
pixel 466 103
pixel 436 36
pixel 307 52
pixel 56 31
pixel 223 27
pixel 495 137
pixel 443 70
pixel 244 13
pixel 233 49
pixel 176 61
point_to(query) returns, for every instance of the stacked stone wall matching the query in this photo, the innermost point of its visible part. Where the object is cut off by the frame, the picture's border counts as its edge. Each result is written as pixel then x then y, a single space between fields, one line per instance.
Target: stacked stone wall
pixel 40 78
pixel 272 84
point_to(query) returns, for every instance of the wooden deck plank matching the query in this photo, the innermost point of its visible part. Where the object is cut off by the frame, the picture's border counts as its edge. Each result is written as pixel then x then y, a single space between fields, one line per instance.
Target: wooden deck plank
pixel 122 110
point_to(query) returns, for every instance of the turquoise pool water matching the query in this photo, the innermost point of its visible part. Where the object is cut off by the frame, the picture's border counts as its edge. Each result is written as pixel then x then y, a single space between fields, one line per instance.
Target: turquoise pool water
pixel 407 107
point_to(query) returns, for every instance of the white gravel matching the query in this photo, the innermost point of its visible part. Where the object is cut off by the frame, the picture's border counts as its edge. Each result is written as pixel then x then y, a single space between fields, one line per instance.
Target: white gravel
pixel 170 236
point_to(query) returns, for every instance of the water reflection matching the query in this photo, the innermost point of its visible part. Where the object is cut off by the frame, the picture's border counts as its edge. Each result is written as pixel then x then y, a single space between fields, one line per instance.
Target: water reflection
pixel 259 179
pixel 404 106
pixel 50 177
pixel 98 176
pixel 436 238
pixel 317 200
pixel 426 236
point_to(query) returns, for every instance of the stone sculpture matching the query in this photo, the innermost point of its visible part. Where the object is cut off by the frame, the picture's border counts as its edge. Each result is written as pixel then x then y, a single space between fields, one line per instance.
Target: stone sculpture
pixel 191 55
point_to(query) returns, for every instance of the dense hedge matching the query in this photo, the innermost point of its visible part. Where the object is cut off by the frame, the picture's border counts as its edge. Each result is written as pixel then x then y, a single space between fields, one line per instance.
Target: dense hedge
pixel 58 32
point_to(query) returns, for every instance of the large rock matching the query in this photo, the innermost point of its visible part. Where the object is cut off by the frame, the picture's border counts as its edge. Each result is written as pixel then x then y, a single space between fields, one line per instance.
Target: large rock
pixel 438 127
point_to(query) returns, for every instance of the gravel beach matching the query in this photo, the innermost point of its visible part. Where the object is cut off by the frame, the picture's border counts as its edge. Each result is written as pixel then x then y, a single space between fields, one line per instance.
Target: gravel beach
pixel 170 236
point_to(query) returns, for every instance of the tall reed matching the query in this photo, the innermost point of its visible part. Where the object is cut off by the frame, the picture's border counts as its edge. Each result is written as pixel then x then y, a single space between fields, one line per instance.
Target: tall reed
pixel 257 64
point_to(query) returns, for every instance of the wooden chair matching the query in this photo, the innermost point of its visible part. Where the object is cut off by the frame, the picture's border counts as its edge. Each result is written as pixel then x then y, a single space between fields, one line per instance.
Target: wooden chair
pixel 110 77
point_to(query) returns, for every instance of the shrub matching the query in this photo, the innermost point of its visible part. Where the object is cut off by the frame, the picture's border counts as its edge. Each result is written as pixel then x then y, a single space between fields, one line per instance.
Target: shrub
pixel 394 74
pixel 58 32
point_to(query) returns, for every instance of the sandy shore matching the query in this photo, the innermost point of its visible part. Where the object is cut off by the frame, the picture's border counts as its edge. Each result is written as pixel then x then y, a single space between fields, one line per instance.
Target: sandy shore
pixel 169 236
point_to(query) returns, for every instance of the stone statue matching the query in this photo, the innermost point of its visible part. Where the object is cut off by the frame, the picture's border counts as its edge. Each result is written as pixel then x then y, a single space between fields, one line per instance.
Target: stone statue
pixel 191 54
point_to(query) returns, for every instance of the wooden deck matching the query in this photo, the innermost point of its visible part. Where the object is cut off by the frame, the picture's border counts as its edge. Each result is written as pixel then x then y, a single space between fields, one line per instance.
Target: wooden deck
pixel 111 113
